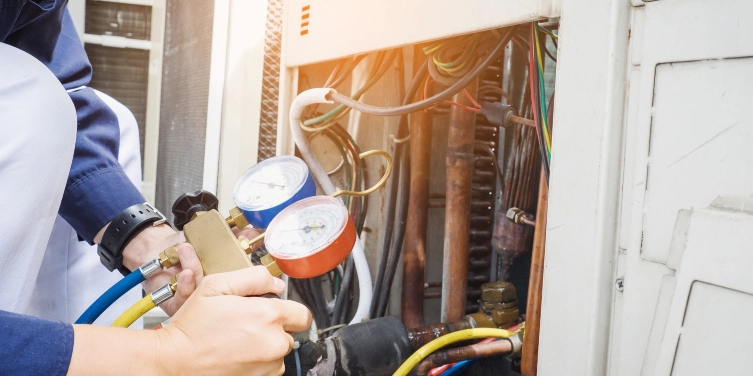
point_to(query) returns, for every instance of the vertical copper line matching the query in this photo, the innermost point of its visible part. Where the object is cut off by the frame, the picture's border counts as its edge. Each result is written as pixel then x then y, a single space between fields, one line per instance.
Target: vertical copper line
pixel 459 163
pixel 535 284
pixel 414 256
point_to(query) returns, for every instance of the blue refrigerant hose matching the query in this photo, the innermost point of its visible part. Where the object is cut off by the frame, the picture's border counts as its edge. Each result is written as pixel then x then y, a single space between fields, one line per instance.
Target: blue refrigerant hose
pixel 110 296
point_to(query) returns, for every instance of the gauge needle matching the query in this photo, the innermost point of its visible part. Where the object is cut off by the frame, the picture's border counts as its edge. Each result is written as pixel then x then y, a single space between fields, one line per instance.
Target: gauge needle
pixel 307 229
pixel 270 184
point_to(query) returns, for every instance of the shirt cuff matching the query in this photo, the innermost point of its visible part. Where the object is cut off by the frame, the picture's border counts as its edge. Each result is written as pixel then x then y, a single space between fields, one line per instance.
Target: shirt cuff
pixel 95 199
pixel 33 346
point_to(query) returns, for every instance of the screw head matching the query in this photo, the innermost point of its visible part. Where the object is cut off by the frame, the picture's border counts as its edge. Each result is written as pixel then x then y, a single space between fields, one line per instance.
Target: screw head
pixel 619 284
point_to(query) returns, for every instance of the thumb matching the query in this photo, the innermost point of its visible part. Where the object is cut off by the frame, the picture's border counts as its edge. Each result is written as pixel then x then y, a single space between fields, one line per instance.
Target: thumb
pixel 253 281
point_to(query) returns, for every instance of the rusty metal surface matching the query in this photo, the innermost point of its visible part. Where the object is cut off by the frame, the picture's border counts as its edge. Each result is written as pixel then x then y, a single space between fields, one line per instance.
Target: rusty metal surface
pixel 536 282
pixel 510 240
pixel 459 163
pixel 425 334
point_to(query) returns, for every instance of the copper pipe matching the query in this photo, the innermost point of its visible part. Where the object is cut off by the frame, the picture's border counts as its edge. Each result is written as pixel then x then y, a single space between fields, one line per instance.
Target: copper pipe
pixel 436 204
pixel 432 284
pixel 414 245
pixel 522 121
pixel 432 295
pixel 459 163
pixel 479 350
pixel 530 359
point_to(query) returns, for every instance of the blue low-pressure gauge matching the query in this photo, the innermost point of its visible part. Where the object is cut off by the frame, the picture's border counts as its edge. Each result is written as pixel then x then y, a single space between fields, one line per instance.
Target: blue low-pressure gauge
pixel 270 186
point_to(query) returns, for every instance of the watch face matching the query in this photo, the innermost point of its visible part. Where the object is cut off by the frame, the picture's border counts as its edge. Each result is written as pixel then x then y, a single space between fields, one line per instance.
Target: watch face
pixel 270 183
pixel 306 227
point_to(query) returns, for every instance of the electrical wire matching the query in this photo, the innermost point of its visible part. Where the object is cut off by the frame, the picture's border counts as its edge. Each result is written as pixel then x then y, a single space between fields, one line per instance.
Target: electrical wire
pixel 134 312
pixel 535 97
pixel 387 259
pixel 380 67
pixel 397 237
pixel 110 296
pixel 426 103
pixel 447 339
pixel 459 367
pixel 297 362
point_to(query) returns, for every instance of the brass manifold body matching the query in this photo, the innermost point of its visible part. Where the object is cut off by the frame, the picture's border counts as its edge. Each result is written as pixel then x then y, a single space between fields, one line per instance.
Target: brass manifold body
pixel 218 248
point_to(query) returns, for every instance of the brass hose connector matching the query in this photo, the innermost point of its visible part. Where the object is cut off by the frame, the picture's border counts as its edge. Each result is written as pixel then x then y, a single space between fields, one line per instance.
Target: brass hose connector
pixel 236 219
pixel 269 262
pixel 169 257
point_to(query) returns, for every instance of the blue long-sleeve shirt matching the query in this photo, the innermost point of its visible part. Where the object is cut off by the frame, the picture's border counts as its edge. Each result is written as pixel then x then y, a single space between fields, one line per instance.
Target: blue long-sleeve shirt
pixel 97 189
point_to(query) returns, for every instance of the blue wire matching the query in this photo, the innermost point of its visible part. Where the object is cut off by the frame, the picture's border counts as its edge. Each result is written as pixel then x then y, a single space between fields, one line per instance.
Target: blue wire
pixel 458 367
pixel 110 296
pixel 297 363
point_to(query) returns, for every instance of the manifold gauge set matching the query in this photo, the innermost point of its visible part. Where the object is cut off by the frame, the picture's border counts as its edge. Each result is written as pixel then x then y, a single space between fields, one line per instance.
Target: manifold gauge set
pixel 308 235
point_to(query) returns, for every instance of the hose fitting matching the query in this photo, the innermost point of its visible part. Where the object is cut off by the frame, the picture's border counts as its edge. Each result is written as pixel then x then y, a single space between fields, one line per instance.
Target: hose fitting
pixel 151 268
pixel 169 257
pixel 162 294
pixel 520 217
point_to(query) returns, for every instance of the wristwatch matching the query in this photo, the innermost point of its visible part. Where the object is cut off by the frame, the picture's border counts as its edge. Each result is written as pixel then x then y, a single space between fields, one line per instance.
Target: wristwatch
pixel 122 229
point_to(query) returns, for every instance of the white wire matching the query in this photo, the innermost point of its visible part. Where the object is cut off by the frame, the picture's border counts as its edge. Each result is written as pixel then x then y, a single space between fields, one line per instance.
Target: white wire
pixel 309 97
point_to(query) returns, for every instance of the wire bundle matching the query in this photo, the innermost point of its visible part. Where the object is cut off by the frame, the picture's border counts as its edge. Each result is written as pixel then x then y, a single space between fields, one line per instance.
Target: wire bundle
pixel 355 175
pixel 538 96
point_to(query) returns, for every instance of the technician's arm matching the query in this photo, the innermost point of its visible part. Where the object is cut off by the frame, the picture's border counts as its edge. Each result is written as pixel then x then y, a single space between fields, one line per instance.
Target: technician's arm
pixel 217 331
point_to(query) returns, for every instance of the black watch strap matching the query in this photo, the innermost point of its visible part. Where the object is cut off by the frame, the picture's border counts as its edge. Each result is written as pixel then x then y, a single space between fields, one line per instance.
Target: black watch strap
pixel 124 227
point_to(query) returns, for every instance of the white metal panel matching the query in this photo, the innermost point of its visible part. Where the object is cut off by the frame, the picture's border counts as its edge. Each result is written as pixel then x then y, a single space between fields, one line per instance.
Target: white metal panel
pixel 670 98
pixel 717 252
pixel 242 95
pixel 216 92
pixel 584 188
pixel 700 139
pixel 700 353
pixel 153 97
pixel 338 28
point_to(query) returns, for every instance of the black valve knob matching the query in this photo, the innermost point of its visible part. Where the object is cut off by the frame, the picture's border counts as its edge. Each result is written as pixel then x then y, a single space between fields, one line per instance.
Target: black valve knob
pixel 189 204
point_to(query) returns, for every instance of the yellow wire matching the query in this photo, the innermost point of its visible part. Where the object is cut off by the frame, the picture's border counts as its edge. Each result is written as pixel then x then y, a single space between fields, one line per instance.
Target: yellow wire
pixel 461 335
pixel 432 49
pixel 381 181
pixel 547 138
pixel 132 314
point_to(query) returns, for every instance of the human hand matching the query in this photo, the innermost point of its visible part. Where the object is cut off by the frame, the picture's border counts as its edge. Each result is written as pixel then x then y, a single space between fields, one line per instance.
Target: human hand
pixel 223 328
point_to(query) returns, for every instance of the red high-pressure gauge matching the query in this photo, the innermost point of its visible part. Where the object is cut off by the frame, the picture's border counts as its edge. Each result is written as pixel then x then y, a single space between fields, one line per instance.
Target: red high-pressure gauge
pixel 311 236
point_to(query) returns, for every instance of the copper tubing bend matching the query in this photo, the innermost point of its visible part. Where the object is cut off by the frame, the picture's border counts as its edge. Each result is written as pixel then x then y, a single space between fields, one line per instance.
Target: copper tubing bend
pixel 479 350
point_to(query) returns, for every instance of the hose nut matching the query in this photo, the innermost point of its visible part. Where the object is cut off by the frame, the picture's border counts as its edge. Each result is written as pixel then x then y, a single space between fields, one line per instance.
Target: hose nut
pixel 236 219
pixel 269 262
pixel 169 257
pixel 520 217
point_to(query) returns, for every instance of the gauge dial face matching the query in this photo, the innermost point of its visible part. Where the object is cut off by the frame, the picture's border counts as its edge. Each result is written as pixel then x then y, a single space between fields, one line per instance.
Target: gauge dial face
pixel 306 227
pixel 270 183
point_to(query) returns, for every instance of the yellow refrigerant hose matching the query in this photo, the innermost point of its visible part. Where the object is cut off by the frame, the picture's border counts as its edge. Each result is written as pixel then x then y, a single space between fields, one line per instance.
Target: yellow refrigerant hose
pixel 146 303
pixel 461 335
pixel 132 314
